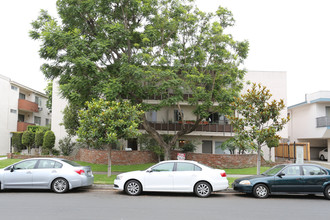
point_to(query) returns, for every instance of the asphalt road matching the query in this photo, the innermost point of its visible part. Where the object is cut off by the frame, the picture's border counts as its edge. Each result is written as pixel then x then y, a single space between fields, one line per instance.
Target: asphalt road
pixel 112 205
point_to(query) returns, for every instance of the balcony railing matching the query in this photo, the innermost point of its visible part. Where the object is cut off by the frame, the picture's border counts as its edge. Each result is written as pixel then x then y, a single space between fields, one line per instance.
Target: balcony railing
pixel 27 106
pixel 210 127
pixel 323 122
pixel 22 126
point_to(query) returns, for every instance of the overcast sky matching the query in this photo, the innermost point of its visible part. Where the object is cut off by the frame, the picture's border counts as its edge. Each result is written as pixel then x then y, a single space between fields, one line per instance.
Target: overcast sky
pixel 284 35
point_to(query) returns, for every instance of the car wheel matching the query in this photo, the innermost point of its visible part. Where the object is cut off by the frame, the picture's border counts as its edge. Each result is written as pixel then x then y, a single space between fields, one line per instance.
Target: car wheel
pixel 203 189
pixel 327 192
pixel 261 191
pixel 60 185
pixel 322 157
pixel 133 188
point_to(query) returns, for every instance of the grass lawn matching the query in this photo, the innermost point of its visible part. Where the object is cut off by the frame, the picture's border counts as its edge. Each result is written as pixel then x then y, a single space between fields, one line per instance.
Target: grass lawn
pixel 246 171
pixel 116 168
pixel 7 162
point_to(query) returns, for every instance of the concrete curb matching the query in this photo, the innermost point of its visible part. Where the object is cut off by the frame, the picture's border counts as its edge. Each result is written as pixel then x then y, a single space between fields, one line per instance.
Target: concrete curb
pixel 110 188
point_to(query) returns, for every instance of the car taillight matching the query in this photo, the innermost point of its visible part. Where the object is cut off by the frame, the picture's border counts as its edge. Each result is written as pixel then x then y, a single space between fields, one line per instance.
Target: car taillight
pixel 80 171
pixel 223 174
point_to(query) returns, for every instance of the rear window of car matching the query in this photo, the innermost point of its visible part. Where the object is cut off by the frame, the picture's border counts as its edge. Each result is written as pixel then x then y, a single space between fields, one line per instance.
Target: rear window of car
pixel 72 163
pixel 49 164
pixel 187 167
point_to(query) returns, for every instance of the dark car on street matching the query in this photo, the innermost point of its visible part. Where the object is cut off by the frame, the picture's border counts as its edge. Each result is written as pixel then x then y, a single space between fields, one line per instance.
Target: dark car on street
pixel 287 178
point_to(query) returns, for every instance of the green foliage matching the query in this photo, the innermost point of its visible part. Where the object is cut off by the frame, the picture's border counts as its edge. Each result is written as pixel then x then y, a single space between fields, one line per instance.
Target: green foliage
pixel 49 93
pixel 70 119
pixel 17 141
pixel 28 139
pixel 103 122
pixel 39 138
pixel 66 146
pixel 138 49
pixel 35 128
pixel 258 118
pixel 189 147
pixel 150 144
pixel 49 141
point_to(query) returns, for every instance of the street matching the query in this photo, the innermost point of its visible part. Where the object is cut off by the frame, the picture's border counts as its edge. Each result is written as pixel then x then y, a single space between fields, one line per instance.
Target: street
pixel 108 204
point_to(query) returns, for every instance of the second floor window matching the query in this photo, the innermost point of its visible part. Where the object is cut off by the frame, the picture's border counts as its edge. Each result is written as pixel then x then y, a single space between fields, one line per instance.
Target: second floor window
pixel 38 100
pixel 178 115
pixel 21 96
pixel 37 120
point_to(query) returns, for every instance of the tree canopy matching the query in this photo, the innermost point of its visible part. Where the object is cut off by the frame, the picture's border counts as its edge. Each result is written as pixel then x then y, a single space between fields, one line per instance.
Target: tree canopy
pixel 137 49
pixel 257 119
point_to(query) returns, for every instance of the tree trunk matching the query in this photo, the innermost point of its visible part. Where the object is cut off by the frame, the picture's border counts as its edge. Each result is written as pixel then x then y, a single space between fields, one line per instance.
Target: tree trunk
pixel 259 160
pixel 167 153
pixel 270 154
pixel 109 160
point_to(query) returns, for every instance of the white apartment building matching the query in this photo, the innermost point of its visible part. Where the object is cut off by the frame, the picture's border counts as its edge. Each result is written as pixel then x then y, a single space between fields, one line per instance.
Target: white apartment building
pixel 310 122
pixel 20 106
pixel 209 135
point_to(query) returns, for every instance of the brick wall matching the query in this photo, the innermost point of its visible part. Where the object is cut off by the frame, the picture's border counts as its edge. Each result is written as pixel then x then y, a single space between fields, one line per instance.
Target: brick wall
pixel 117 157
pixel 222 160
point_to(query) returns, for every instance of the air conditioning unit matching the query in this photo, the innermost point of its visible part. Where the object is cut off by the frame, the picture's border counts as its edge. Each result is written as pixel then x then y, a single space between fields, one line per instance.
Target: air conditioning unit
pixel 40 108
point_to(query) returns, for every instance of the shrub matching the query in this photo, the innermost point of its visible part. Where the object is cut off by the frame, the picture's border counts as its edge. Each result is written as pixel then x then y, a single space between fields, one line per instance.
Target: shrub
pixel 35 128
pixel 17 141
pixel 188 147
pixel 28 140
pixel 49 140
pixel 66 146
pixel 39 138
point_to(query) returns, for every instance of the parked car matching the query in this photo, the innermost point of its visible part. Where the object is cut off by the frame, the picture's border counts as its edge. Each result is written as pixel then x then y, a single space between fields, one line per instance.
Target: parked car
pixel 287 178
pixel 173 176
pixel 323 154
pixel 60 175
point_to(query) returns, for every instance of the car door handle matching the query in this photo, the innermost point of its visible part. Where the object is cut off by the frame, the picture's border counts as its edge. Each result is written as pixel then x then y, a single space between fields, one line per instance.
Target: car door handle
pixel 54 171
pixel 28 172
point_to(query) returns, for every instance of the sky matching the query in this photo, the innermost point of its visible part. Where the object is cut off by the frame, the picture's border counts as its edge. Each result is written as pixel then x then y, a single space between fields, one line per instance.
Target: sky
pixel 284 35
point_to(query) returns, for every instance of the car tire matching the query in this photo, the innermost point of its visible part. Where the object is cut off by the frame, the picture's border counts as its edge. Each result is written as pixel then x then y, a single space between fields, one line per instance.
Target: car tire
pixel 327 192
pixel 60 185
pixel 322 157
pixel 203 189
pixel 261 191
pixel 133 188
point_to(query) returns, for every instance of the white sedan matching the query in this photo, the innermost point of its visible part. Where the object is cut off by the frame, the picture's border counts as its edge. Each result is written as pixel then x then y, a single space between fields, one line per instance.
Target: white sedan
pixel 173 176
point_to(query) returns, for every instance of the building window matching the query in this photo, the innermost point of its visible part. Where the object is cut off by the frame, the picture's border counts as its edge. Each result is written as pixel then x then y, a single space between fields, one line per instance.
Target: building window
pixel 21 118
pixel 38 100
pixel 13 111
pixel 177 115
pixel 21 96
pixel 14 88
pixel 207 147
pixel 37 120
pixel 47 121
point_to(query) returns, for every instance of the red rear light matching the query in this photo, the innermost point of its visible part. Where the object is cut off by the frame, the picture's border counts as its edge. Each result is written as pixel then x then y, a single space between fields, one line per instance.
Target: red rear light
pixel 223 174
pixel 80 171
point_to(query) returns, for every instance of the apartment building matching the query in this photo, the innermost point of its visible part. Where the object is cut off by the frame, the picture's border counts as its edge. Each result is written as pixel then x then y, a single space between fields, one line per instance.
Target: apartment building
pixel 310 122
pixel 20 106
pixel 209 135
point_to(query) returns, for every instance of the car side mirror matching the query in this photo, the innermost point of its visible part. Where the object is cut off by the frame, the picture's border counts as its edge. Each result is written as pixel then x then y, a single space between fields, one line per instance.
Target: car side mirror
pixel 12 169
pixel 149 170
pixel 281 174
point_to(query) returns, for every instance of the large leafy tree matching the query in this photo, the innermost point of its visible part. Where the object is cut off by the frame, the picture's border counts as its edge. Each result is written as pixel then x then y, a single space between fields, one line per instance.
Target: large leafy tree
pixel 102 123
pixel 136 49
pixel 258 119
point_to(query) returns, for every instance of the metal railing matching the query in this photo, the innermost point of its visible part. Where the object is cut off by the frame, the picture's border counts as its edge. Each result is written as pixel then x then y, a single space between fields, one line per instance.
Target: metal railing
pixel 322 122
pixel 176 126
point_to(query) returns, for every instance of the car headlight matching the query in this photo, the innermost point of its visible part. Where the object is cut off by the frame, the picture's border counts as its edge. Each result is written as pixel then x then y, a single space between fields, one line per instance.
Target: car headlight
pixel 245 182
pixel 119 177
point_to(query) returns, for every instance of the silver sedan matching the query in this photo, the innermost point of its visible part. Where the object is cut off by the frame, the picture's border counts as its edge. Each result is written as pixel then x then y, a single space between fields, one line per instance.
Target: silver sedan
pixel 57 174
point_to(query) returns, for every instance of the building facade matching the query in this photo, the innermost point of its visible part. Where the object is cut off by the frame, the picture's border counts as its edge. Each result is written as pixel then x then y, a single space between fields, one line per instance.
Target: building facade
pixel 209 135
pixel 310 122
pixel 20 106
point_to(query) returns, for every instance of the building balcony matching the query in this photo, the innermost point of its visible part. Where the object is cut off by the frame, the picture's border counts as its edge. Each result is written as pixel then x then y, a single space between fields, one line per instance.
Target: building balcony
pixel 323 122
pixel 203 127
pixel 27 106
pixel 22 126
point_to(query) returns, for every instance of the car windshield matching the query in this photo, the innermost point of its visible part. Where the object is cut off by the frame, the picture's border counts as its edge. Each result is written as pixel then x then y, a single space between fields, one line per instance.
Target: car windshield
pixel 274 170
pixel 72 163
